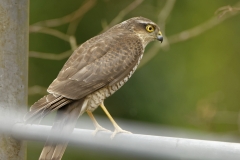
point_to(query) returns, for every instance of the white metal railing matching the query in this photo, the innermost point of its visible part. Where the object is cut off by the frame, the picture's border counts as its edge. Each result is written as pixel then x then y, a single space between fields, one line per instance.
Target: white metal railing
pixel 129 144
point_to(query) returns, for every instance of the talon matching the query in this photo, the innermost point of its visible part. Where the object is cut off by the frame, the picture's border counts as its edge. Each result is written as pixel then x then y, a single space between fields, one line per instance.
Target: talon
pixel 100 129
pixel 119 130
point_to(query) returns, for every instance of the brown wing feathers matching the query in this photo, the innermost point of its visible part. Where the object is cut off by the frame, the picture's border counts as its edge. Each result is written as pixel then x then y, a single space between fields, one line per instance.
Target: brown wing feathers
pixel 45 105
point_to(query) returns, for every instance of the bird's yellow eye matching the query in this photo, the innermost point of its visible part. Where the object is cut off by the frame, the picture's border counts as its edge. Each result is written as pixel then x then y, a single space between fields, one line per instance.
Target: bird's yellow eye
pixel 149 28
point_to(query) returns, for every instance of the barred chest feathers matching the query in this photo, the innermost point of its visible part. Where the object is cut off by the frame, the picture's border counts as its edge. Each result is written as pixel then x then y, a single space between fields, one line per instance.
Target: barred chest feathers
pixel 95 99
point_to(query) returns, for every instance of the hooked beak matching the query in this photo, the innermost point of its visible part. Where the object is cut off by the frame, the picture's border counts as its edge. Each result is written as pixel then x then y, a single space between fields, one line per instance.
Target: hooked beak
pixel 160 37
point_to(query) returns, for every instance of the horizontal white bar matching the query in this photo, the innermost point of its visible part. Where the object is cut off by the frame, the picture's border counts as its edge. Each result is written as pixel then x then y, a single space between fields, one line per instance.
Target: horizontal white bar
pixel 137 145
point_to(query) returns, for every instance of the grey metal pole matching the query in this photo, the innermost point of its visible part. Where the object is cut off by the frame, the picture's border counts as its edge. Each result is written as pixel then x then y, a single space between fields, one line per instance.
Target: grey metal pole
pixel 13 71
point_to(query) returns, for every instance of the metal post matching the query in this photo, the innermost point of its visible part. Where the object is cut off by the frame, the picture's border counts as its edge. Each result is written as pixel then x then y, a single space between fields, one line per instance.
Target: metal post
pixel 13 71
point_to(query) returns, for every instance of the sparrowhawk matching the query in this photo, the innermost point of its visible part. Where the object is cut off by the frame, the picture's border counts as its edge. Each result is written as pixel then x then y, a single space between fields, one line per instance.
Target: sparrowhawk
pixel 95 70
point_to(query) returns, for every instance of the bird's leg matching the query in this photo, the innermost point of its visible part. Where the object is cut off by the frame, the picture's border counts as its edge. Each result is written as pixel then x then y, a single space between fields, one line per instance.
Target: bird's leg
pixel 117 128
pixel 97 126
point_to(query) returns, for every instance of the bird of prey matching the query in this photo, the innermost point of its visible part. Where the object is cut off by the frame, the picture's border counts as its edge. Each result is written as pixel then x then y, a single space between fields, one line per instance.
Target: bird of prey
pixel 95 70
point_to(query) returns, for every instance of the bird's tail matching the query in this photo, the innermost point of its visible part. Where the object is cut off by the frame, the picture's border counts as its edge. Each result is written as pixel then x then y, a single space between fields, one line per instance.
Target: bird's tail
pixel 44 106
pixel 68 111
pixel 63 126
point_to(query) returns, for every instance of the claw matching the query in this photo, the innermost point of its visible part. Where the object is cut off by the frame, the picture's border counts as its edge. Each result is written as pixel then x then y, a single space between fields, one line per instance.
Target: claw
pixel 119 130
pixel 100 129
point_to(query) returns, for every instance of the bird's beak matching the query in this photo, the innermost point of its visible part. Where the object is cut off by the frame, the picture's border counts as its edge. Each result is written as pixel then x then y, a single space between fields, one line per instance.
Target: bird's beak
pixel 160 37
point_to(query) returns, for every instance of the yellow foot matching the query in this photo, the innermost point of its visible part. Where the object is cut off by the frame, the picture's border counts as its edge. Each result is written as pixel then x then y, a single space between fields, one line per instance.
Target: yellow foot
pixel 119 130
pixel 97 126
pixel 99 129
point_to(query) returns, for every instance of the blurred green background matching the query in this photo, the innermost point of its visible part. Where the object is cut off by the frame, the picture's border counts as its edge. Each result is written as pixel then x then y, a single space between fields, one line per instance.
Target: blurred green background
pixel 192 84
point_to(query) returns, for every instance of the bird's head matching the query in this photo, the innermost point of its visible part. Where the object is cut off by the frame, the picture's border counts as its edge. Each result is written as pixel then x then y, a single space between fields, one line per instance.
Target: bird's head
pixel 146 29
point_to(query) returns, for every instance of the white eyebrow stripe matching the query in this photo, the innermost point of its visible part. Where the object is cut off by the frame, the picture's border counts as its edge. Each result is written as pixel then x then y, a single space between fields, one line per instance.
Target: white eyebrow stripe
pixel 146 22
